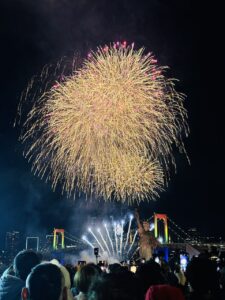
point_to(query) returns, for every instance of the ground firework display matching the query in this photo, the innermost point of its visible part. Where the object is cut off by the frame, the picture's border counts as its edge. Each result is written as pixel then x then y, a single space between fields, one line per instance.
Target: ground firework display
pixel 108 128
pixel 117 240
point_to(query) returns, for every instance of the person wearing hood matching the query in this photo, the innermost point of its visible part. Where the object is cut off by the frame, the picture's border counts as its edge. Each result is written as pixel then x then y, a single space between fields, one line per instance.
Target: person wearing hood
pixel 164 292
pixel 13 279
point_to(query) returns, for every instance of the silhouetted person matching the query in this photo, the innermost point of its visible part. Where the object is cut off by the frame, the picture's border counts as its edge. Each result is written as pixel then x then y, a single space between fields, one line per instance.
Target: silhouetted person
pixel 45 282
pixel 222 282
pixel 84 278
pixel 114 268
pixel 11 285
pixel 203 278
pixel 149 274
pixel 72 271
pixel 116 286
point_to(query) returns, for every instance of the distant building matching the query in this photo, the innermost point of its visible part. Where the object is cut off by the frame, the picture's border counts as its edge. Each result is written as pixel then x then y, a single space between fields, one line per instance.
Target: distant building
pixel 48 245
pixel 12 244
pixel 193 233
pixel 3 257
pixel 32 243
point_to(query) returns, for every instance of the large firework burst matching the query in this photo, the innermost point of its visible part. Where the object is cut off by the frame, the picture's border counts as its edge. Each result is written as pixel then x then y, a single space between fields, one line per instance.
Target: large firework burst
pixel 109 127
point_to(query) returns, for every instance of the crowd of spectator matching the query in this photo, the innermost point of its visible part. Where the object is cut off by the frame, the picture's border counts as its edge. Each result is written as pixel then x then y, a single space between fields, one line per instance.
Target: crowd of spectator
pixel 30 278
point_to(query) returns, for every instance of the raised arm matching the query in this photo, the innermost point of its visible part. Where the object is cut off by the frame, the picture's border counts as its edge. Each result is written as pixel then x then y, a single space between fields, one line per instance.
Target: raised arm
pixel 138 220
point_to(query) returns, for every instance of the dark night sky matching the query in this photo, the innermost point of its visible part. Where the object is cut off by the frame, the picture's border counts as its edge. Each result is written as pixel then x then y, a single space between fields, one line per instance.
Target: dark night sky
pixel 182 34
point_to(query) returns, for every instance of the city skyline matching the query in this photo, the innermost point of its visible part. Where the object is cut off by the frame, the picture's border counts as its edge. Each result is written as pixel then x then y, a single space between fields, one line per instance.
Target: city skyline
pixel 175 233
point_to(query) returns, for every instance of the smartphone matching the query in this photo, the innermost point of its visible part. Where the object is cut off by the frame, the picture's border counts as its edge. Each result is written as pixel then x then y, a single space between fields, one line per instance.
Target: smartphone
pixel 81 263
pixel 183 262
pixel 157 260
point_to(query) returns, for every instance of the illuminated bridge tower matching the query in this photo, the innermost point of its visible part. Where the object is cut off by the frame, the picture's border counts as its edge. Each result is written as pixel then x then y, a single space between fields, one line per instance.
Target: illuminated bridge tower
pixel 58 232
pixel 162 217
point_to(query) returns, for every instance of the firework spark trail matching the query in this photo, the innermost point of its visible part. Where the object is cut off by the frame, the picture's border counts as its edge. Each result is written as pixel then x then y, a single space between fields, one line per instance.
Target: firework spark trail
pixel 108 129
pixel 104 241
pixel 132 242
pixel 121 238
pixel 88 242
pixel 128 232
pixel 117 232
pixel 97 240
pixel 116 239
pixel 111 243
pixel 135 252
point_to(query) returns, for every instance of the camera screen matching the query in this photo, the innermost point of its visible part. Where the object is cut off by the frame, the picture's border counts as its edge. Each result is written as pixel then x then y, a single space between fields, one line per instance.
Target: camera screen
pixel 183 262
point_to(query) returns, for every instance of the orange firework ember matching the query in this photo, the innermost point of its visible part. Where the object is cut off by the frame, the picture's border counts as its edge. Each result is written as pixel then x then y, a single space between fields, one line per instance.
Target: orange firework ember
pixel 108 129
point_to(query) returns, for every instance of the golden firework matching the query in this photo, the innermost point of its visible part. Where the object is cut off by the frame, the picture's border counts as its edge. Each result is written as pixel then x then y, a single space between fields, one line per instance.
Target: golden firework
pixel 128 178
pixel 108 128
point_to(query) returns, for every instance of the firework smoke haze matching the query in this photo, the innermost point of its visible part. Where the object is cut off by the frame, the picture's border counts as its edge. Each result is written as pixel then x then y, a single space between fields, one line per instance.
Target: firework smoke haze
pixel 108 129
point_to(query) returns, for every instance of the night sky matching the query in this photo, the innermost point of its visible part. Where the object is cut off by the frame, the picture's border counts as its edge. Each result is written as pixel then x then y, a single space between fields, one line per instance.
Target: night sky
pixel 183 35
